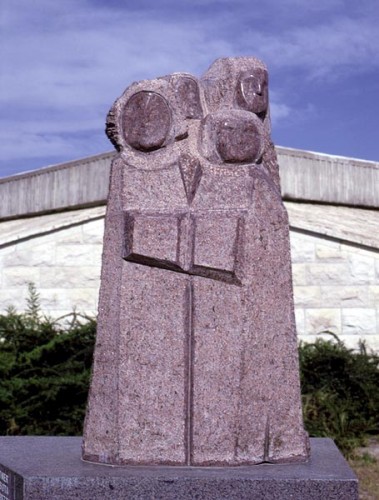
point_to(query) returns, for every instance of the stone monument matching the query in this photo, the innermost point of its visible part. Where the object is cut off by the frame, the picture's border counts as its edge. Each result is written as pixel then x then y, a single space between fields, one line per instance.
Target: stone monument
pixel 195 386
pixel 196 355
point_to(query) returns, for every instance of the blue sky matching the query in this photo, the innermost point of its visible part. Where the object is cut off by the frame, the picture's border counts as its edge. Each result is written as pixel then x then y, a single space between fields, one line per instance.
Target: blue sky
pixel 63 63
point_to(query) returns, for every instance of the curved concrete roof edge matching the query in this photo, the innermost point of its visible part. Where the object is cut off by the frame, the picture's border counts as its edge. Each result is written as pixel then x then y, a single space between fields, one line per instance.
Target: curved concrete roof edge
pixel 305 176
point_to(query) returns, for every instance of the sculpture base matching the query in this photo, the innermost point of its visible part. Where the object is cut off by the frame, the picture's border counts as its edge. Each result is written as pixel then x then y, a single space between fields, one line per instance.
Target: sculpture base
pixel 39 468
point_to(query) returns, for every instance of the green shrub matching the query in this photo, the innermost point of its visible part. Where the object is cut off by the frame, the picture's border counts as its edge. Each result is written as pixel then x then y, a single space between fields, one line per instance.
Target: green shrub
pixel 340 389
pixel 44 371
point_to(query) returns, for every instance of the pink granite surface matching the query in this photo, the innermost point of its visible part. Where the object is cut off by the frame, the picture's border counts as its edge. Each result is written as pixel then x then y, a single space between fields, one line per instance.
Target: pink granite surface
pixel 196 354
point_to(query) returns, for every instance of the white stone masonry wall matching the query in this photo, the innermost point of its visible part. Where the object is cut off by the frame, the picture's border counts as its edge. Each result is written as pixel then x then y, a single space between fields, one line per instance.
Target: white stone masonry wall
pixel 63 265
pixel 336 285
pixel 336 288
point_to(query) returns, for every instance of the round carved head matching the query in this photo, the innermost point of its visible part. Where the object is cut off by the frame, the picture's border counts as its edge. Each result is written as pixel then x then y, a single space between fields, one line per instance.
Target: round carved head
pixel 232 136
pixel 154 114
pixel 146 121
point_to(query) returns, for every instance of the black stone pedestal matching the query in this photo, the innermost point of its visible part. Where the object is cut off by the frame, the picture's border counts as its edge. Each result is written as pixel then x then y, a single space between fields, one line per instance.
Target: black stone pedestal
pixel 50 468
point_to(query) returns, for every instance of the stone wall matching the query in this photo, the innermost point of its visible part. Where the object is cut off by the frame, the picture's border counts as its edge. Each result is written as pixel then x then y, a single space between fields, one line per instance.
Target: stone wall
pixel 336 288
pixel 64 265
pixel 336 284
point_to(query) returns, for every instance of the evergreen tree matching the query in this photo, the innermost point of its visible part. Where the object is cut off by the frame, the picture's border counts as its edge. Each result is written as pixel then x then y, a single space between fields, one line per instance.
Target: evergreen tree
pixel 44 371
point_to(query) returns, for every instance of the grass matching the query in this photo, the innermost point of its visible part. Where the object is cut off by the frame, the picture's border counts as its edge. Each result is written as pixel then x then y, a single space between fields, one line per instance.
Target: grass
pixel 366 467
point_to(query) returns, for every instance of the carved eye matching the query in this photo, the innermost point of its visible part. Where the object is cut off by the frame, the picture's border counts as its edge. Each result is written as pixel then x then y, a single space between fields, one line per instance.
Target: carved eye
pixel 239 140
pixel 252 91
pixel 146 121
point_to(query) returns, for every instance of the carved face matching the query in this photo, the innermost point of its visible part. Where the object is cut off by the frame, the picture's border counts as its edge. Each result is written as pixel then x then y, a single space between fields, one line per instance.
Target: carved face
pixel 146 121
pixel 252 91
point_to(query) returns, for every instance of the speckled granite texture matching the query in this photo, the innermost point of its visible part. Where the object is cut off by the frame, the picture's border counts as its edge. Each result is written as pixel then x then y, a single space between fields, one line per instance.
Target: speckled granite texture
pixel 196 355
pixel 47 468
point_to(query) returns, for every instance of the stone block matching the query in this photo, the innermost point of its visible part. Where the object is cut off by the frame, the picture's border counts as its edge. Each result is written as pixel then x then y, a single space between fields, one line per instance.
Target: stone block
pixel 299 274
pixel 46 468
pixel 344 295
pixel 72 235
pixel 79 299
pixel 352 341
pixel 336 273
pixel 6 254
pixel 330 251
pixel 82 299
pixel 320 320
pixel 372 342
pixel 373 296
pixel 300 321
pixel 51 298
pixel 78 255
pixel 362 269
pixel 93 232
pixel 153 237
pixel 36 252
pixel 70 277
pixel 13 298
pixel 47 277
pixel 308 296
pixel 302 248
pixel 359 321
pixel 20 276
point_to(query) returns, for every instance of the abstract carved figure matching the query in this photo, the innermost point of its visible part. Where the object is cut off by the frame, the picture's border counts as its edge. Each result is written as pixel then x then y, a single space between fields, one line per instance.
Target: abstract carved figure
pixel 196 355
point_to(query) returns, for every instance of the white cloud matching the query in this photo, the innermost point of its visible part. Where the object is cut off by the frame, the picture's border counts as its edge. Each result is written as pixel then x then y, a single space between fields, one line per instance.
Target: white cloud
pixel 279 111
pixel 323 50
pixel 83 65
pixel 60 81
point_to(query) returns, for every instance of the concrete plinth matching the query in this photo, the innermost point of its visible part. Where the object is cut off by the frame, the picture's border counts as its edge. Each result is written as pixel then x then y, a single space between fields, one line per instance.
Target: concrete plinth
pixel 46 468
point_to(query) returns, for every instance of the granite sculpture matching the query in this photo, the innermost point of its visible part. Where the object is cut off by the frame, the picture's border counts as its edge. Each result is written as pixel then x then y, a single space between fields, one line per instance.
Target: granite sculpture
pixel 196 354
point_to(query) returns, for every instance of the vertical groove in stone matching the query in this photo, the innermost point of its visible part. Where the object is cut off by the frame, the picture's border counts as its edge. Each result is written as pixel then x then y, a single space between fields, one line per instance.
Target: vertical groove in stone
pixel 267 440
pixel 189 373
pixel 118 338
